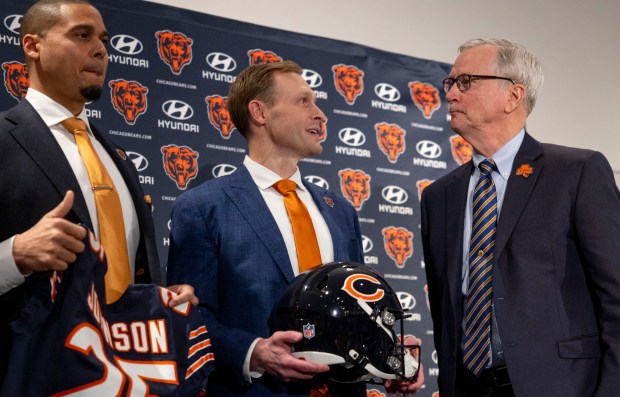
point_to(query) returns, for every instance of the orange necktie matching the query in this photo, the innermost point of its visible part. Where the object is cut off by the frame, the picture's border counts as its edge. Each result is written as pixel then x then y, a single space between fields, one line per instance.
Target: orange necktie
pixel 109 213
pixel 308 253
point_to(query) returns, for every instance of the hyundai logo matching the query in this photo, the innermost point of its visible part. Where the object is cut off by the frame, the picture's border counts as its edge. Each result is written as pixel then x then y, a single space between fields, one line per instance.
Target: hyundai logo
pixel 313 79
pixel 317 180
pixel 177 110
pixel 434 357
pixel 139 161
pixel 366 244
pixel 394 194
pixel 223 169
pixel 221 62
pixel 13 23
pixel 126 44
pixel 407 301
pixel 170 224
pixel 428 149
pixel 352 136
pixel 387 92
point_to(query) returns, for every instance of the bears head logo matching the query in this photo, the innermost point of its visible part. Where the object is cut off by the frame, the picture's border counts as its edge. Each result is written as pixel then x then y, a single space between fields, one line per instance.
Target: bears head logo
pixel 349 82
pixel 180 164
pixel 323 132
pixel 219 116
pixel 16 79
pixel 374 393
pixel 398 243
pixel 258 56
pixel 461 149
pixel 391 140
pixel 355 186
pixel 425 97
pixel 175 49
pixel 128 98
pixel 422 184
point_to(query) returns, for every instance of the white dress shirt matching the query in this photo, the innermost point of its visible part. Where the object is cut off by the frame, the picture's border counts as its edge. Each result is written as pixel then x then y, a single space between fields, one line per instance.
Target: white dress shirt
pixel 264 179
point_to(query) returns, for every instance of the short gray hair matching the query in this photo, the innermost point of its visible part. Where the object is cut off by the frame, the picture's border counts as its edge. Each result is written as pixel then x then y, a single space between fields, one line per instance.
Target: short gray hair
pixel 516 62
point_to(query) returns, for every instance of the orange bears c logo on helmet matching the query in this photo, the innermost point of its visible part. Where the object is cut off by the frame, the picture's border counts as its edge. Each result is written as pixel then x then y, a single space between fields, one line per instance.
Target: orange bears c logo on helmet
pixel 461 149
pixel 398 243
pixel 355 186
pixel 422 184
pixel 372 294
pixel 16 79
pixel 175 49
pixel 425 97
pixel 258 56
pixel 374 393
pixel 349 81
pixel 391 140
pixel 219 116
pixel 180 164
pixel 128 98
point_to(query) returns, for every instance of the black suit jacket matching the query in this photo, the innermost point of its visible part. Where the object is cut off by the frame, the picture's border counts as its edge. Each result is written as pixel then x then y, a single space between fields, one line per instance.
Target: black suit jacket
pixel 556 272
pixel 34 177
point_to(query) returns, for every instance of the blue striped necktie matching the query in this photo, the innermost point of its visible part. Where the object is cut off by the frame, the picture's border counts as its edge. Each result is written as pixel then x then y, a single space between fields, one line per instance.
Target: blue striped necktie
pixel 477 343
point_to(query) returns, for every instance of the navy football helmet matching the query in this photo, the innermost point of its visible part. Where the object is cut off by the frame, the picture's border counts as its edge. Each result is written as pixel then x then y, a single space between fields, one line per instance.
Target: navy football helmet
pixel 346 312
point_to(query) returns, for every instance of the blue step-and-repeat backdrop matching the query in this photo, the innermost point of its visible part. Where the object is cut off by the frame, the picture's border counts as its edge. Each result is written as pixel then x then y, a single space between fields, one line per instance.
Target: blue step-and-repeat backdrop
pixel 386 138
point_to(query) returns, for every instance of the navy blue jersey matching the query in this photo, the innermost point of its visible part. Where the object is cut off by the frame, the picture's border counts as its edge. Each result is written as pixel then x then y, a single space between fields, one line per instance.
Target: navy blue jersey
pixel 68 342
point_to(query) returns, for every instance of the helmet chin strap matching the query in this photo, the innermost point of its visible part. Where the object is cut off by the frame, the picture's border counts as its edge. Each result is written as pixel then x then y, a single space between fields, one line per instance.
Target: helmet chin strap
pixel 410 363
pixel 366 307
pixel 365 363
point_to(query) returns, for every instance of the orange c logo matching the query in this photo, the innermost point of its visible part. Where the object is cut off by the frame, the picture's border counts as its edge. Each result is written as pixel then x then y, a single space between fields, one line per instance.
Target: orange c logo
pixel 349 287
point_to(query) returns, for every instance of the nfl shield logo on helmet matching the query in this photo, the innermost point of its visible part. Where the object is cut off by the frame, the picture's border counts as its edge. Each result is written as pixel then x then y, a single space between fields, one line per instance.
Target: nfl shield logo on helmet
pixel 308 331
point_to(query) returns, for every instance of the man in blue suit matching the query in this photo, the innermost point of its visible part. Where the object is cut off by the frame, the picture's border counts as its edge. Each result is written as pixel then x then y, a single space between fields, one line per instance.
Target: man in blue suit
pixel 232 239
pixel 46 190
pixel 553 327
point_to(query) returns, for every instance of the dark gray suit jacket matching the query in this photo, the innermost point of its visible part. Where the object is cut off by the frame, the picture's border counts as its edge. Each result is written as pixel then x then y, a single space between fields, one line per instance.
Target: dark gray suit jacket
pixel 34 177
pixel 556 272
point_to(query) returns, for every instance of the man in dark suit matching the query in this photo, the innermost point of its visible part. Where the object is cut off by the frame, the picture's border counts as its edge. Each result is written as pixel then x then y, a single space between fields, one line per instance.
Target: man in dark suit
pixel 64 46
pixel 554 307
pixel 233 241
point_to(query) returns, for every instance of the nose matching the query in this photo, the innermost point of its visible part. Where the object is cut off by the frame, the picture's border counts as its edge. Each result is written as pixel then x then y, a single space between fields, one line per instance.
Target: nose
pixel 101 50
pixel 319 114
pixel 452 94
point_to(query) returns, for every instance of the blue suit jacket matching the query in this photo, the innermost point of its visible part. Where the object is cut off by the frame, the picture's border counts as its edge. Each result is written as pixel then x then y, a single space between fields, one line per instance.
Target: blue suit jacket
pixel 556 272
pixel 34 177
pixel 226 243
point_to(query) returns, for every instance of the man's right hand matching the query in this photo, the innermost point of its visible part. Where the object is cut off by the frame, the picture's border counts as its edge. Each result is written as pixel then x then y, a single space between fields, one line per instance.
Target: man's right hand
pixel 52 243
pixel 273 355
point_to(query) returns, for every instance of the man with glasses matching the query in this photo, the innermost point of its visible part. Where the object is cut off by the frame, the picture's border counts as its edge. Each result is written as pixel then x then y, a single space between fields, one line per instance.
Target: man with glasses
pixel 520 245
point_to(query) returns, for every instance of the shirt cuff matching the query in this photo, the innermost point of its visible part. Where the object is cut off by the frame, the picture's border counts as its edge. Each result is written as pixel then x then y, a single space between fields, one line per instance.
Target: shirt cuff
pixel 10 276
pixel 248 375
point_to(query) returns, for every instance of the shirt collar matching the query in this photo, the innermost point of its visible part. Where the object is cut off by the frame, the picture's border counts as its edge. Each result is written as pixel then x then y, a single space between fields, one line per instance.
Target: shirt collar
pixel 51 111
pixel 505 156
pixel 265 178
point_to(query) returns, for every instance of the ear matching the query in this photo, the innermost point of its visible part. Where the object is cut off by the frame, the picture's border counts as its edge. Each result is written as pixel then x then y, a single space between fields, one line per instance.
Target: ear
pixel 30 45
pixel 516 97
pixel 256 109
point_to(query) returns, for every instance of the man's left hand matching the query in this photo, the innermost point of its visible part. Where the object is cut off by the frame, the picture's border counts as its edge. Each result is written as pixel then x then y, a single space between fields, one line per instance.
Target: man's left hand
pixel 402 387
pixel 185 293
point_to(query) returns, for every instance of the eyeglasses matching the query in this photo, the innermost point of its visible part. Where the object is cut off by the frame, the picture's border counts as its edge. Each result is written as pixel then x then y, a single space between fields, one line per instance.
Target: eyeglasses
pixel 463 81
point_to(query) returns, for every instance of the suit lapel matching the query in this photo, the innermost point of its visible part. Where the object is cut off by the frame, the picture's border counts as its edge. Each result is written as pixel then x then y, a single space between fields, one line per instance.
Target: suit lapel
pixel 247 198
pixel 455 219
pixel 518 190
pixel 39 143
pixel 321 199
